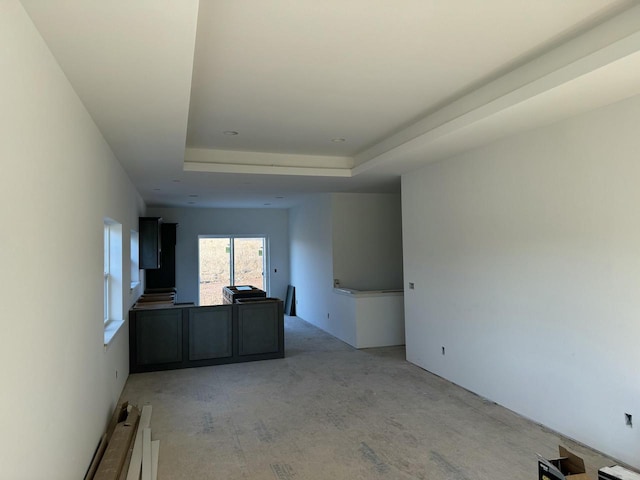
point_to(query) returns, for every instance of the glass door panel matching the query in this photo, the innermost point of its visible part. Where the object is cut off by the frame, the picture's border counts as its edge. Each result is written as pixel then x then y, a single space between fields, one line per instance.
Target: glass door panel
pixel 248 262
pixel 215 268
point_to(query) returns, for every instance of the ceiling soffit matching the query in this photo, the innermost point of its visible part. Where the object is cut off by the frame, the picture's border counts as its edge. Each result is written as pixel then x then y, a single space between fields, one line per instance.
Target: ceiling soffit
pixel 580 62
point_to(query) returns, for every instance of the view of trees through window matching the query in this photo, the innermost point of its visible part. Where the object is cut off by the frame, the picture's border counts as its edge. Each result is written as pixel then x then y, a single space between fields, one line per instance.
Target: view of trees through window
pixel 229 261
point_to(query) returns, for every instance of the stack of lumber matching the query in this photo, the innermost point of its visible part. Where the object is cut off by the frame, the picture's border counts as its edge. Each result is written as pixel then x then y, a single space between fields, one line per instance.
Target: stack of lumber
pixel 126 451
pixel 155 300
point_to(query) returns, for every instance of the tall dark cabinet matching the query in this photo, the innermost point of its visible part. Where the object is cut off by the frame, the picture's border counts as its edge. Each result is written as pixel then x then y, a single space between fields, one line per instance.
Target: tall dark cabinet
pixel 150 242
pixel 165 275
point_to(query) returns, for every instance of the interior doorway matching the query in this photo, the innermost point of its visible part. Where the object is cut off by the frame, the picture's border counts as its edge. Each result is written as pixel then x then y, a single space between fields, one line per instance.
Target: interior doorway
pixel 230 260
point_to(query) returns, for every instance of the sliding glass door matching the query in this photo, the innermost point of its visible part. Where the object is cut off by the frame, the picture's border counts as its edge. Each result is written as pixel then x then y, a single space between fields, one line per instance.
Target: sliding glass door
pixel 230 260
pixel 214 270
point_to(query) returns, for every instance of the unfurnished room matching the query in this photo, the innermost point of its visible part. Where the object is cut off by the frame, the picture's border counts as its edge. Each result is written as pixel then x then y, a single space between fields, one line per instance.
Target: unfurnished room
pixel 312 239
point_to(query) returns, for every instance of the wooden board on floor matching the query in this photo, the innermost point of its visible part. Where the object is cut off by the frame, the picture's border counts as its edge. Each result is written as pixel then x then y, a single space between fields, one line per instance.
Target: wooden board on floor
pixel 102 446
pixel 135 465
pixel 116 453
pixel 146 454
pixel 155 455
pixel 119 414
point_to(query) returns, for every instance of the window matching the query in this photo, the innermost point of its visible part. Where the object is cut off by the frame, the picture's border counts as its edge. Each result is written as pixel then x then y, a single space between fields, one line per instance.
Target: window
pixel 113 279
pixel 112 270
pixel 135 263
pixel 230 260
pixel 106 271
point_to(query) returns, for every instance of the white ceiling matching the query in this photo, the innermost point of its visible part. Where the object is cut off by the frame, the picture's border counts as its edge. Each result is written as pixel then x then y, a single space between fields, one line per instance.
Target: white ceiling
pixel 403 82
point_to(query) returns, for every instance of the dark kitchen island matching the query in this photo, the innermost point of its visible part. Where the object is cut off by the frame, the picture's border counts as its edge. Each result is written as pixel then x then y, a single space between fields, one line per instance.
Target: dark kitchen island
pixel 165 337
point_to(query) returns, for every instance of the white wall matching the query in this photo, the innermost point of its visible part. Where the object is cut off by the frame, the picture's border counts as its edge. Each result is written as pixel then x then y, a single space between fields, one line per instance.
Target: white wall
pixel 272 223
pixel 59 180
pixel 353 237
pixel 367 240
pixel 312 261
pixel 526 260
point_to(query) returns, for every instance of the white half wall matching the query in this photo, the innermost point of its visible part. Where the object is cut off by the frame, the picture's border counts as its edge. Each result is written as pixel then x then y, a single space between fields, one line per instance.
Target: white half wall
pixel 367 240
pixel 59 181
pixel 525 256
pixel 272 223
pixel 379 320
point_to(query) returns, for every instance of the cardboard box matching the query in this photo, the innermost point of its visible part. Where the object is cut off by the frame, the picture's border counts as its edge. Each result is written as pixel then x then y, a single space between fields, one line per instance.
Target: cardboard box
pixel 567 467
pixel 232 293
pixel 616 472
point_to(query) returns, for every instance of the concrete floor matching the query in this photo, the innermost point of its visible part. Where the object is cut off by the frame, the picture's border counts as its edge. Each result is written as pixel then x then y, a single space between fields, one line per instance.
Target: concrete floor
pixel 328 411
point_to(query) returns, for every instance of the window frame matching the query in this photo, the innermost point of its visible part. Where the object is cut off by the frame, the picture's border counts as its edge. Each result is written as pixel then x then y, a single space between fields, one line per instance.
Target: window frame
pixel 107 270
pixel 266 277
pixel 134 254
pixel 114 277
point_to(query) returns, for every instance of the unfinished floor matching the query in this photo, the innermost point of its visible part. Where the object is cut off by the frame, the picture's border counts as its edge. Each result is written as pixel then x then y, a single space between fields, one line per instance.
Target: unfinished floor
pixel 329 411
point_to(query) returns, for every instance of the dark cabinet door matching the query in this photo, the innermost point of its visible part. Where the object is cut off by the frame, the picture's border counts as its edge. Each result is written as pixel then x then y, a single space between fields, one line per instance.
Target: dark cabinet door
pixel 258 328
pixel 158 336
pixel 210 332
pixel 165 276
pixel 150 243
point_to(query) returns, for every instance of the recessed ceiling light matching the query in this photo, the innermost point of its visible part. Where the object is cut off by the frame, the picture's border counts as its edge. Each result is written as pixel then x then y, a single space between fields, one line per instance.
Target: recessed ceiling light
pixel 230 132
pixel 267 204
pixel 279 198
pixel 338 140
pixel 193 196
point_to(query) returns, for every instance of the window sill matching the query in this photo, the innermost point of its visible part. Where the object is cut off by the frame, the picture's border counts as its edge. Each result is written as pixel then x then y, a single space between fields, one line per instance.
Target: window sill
pixel 110 329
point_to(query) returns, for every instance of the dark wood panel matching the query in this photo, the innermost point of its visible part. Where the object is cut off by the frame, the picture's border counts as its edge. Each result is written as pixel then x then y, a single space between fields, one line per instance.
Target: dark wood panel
pixel 159 336
pixel 258 328
pixel 165 276
pixel 210 333
pixel 149 242
pixel 290 301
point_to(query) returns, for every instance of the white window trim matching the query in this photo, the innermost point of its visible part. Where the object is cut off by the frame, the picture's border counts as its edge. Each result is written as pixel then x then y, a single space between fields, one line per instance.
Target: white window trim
pixel 111 328
pixel 107 264
pixel 134 242
pixel 113 277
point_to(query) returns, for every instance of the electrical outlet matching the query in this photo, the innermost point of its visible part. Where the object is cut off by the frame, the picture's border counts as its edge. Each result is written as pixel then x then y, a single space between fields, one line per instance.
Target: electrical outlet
pixel 412 286
pixel 628 419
